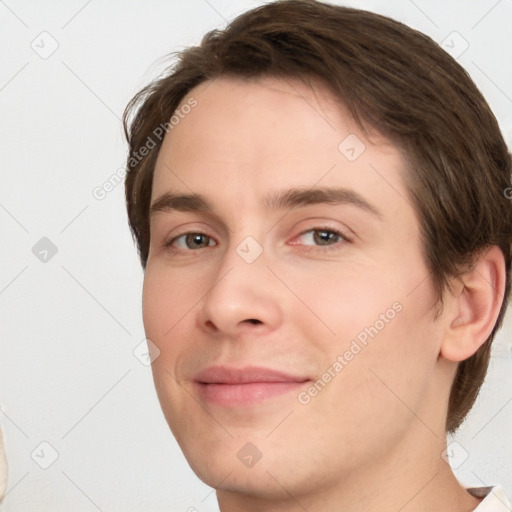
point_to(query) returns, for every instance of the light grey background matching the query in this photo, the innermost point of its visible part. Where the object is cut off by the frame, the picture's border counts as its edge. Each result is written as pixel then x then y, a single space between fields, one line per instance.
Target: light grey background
pixel 69 378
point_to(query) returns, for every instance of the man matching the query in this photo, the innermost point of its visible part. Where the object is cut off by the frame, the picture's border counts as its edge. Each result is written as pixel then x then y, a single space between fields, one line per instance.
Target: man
pixel 317 196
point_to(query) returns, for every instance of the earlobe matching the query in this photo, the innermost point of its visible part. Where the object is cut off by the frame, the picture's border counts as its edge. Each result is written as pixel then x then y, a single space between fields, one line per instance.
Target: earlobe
pixel 475 306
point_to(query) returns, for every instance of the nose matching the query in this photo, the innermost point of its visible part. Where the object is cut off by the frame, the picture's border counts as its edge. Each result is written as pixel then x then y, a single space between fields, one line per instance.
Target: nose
pixel 244 294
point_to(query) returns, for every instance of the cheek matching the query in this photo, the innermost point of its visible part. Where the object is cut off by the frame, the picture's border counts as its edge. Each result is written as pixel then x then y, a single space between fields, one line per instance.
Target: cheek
pixel 379 326
pixel 166 298
pixel 390 358
pixel 171 299
pixel 342 302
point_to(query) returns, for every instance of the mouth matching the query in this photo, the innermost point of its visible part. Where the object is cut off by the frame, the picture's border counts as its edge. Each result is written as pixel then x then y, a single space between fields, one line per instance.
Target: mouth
pixel 238 387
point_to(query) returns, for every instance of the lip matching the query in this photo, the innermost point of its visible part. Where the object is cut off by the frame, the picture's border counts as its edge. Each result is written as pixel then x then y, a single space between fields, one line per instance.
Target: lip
pixel 244 386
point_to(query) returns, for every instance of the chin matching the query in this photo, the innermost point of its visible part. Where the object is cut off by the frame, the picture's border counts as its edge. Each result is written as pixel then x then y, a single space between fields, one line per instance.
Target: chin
pixel 259 481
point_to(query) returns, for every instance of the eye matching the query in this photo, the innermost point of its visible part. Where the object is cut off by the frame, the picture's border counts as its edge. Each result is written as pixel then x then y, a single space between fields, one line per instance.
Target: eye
pixel 190 240
pixel 324 237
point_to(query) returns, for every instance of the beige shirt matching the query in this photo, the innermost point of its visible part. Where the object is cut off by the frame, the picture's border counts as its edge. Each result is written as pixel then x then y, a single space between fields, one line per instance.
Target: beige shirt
pixel 495 499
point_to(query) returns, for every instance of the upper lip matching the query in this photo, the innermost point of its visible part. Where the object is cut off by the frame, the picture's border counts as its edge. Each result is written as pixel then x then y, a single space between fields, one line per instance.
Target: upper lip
pixel 244 375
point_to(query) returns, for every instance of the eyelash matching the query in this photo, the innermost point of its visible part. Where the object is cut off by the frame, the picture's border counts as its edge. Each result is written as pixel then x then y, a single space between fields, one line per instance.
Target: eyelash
pixel 168 244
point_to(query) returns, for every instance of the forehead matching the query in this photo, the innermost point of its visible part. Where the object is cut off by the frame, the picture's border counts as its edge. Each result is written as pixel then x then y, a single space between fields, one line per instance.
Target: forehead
pixel 243 137
pixel 275 114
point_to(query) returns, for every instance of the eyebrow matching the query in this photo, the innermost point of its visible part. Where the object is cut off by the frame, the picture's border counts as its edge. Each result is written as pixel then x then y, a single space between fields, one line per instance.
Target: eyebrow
pixel 289 198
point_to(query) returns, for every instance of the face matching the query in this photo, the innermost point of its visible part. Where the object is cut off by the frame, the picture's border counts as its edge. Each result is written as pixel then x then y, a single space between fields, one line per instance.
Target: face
pixel 295 333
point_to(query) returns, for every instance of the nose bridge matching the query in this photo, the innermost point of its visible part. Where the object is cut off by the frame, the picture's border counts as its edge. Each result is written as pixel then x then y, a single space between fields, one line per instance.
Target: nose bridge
pixel 242 268
pixel 244 253
pixel 241 290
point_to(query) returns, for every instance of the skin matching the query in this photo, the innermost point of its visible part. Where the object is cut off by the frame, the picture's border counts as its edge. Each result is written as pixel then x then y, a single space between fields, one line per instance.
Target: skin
pixel 372 438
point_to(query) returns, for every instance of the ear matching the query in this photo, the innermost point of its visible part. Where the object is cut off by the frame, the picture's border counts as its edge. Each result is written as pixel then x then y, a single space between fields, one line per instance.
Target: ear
pixel 475 303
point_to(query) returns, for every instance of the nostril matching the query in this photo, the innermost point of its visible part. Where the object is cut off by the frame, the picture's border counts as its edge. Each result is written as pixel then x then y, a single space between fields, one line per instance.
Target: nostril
pixel 209 323
pixel 254 321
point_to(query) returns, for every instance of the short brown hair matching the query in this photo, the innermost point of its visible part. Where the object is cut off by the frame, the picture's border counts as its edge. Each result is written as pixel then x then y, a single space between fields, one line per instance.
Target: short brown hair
pixel 391 78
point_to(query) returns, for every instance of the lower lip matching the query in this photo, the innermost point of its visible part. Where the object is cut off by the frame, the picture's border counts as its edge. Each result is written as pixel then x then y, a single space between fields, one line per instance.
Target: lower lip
pixel 236 395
